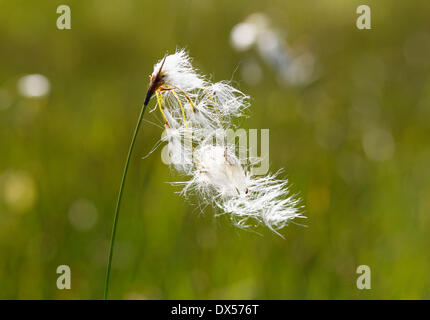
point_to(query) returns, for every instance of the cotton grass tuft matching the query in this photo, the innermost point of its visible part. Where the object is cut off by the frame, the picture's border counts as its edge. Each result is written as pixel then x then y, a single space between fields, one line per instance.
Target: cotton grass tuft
pixel 195 110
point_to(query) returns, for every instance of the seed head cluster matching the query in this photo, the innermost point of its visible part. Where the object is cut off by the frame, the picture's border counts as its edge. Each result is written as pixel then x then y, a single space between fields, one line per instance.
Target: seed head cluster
pixel 196 113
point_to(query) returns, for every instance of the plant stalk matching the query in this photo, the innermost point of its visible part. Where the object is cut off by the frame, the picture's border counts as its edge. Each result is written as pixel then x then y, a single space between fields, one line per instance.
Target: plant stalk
pixel 118 204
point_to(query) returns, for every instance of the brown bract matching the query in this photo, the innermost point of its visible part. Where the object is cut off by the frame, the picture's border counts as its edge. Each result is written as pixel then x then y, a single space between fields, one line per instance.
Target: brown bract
pixel 156 82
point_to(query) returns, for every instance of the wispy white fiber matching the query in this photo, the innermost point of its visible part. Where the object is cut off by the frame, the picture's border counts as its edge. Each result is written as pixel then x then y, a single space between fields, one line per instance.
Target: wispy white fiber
pixel 195 110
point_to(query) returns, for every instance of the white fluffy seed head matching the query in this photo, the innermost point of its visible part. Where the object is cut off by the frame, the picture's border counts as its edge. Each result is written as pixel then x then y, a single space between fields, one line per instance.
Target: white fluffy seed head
pixel 268 202
pixel 179 148
pixel 220 170
pixel 230 101
pixel 212 104
pixel 179 72
pixel 195 111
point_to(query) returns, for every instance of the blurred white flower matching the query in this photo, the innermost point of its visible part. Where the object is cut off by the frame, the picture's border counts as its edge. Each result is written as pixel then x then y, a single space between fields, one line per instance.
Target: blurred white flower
pixel 243 36
pixel 82 214
pixel 33 86
pixel 294 65
pixel 18 191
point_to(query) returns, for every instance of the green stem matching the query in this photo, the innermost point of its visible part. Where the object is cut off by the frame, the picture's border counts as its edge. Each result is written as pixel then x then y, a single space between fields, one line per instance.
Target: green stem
pixel 121 189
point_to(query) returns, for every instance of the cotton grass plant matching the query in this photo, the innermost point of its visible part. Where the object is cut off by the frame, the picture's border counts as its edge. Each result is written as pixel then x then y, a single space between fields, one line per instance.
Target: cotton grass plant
pixel 196 112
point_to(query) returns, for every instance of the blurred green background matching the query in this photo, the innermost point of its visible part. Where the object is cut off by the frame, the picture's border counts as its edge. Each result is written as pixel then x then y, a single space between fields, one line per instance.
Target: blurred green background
pixel 353 137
